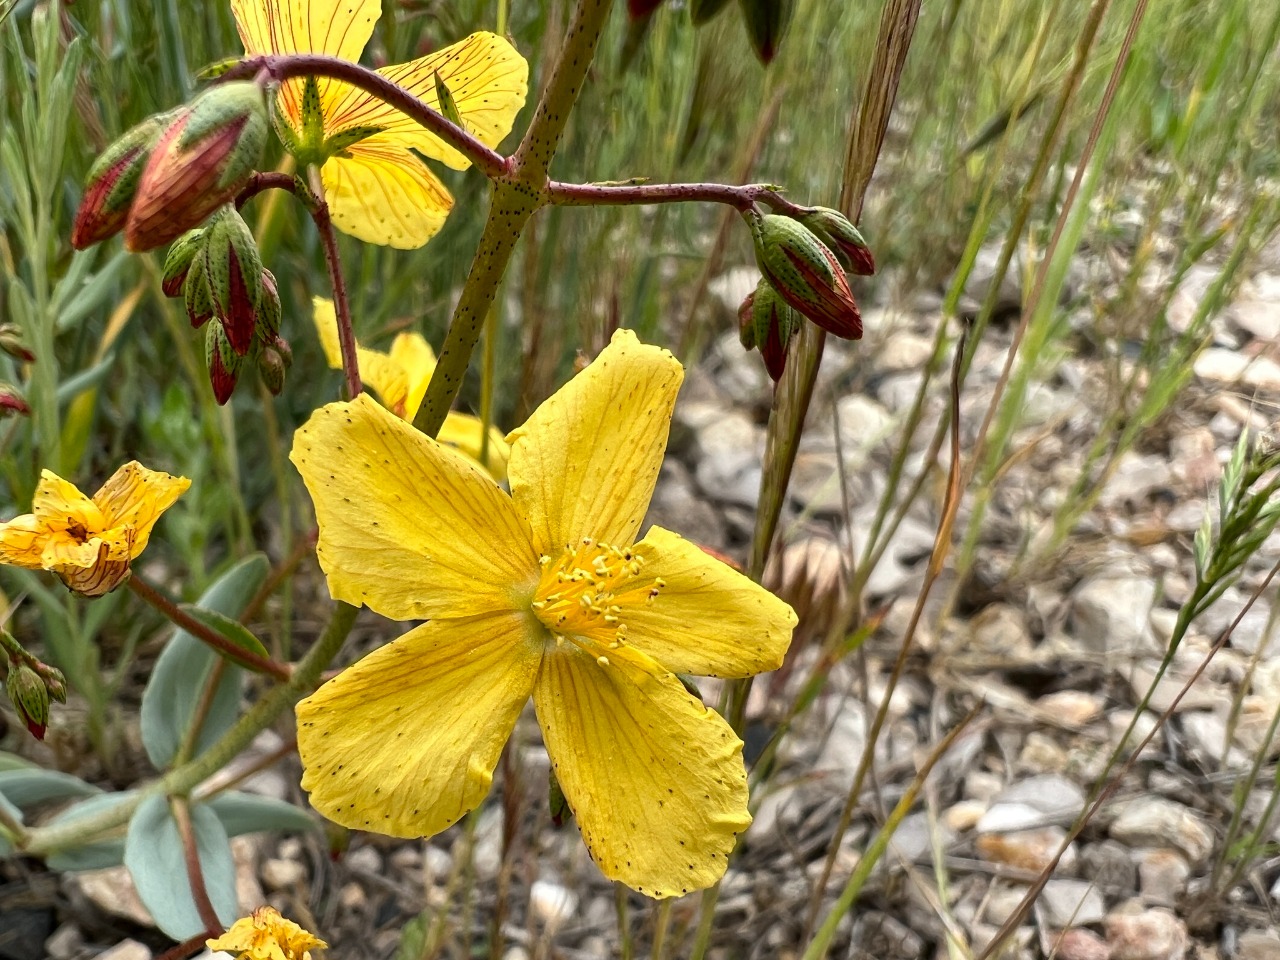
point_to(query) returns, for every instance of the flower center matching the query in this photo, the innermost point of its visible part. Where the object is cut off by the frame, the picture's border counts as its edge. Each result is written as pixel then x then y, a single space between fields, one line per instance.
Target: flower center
pixel 585 592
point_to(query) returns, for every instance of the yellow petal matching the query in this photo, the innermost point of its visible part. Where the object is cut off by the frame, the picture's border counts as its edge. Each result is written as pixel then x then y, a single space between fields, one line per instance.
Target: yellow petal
pixel 383 194
pixel 487 77
pixel 73 525
pixel 584 464
pixel 135 497
pixel 463 432
pixel 707 618
pixel 654 778
pixel 412 354
pixel 22 541
pixel 405 741
pixel 267 936
pixel 379 372
pixel 340 28
pixel 408 526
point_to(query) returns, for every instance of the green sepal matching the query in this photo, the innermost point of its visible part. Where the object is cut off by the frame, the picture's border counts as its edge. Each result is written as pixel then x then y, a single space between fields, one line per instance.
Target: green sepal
pixel 448 105
pixel 338 144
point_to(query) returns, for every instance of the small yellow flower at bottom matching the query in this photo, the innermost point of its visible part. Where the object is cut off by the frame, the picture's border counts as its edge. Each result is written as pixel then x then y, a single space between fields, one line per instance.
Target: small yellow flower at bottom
pixel 90 542
pixel 267 936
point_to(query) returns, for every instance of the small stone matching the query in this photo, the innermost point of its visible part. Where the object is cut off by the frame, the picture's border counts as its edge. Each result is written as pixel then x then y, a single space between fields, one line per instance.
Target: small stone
pixel 364 860
pixel 1112 615
pixel 1110 865
pixel 127 950
pixel 1037 801
pixel 963 815
pixel 1223 365
pixel 1030 850
pixel 1071 708
pixel 1001 903
pixel 244 854
pixel 1163 875
pixel 65 942
pixel 1155 934
pixel 406 858
pixel 282 874
pixel 1151 821
pixel 904 351
pixel 1079 944
pixel 113 892
pixel 1258 945
pixel 1041 753
pixel 552 903
pixel 1071 903
pixel 516 952
pixel 437 863
pixel 999 629
pixel 352 896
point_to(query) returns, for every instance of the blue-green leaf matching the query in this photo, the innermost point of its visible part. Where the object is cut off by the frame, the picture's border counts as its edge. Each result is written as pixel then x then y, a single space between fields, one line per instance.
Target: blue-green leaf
pixel 26 788
pixel 247 813
pixel 99 853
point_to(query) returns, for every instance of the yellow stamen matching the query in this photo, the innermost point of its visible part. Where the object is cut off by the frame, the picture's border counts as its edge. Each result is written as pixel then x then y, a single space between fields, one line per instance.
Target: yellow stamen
pixel 585 591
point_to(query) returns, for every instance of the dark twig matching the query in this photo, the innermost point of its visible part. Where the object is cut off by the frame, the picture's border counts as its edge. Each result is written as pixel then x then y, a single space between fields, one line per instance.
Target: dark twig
pixel 627 194
pixel 195 877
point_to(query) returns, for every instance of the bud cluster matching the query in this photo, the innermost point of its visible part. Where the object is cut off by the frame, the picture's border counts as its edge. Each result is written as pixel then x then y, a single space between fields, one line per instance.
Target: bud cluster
pixel 173 170
pixel 803 262
pixel 31 686
pixel 218 272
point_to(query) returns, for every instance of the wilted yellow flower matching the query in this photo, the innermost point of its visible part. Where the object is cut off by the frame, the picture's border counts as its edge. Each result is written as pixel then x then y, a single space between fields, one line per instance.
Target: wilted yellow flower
pixel 89 543
pixel 267 936
pixel 376 188
pixel 542 592
pixel 400 377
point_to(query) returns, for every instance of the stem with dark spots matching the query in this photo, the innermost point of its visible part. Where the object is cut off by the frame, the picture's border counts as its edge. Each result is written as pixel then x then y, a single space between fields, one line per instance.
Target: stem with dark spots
pixel 341 306
pixel 628 194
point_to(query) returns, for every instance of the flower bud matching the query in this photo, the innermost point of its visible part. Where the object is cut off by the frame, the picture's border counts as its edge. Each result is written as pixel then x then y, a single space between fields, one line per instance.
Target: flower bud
pixel 177 262
pixel 272 369
pixel 268 326
pixel 805 274
pixel 223 362
pixel 112 182
pixel 700 11
pixel 11 401
pixel 195 294
pixel 766 323
pixel 281 346
pixel 766 22
pixel 637 9
pixel 11 342
pixel 201 161
pixel 30 697
pixel 54 682
pixel 835 230
pixel 233 271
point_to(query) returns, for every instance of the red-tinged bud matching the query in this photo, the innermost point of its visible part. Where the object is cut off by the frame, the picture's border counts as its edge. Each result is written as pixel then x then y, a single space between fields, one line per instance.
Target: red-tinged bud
pixel 55 682
pixel 223 362
pixel 201 161
pixel 282 347
pixel 269 309
pixel 805 274
pixel 272 369
pixel 767 323
pixel 177 262
pixel 30 697
pixel 767 22
pixel 638 9
pixel 233 271
pixel 11 401
pixel 700 11
pixel 112 182
pixel 11 342
pixel 195 294
pixel 835 230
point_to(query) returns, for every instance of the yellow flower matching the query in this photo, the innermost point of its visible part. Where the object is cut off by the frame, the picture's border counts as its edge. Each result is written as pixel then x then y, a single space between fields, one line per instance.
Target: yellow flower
pixel 267 936
pixel 400 379
pixel 376 188
pixel 542 592
pixel 89 543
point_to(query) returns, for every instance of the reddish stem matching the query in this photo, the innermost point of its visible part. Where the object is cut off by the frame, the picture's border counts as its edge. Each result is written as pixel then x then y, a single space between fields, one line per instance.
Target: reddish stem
pixel 191 855
pixel 187 948
pixel 261 182
pixel 341 308
pixel 279 67
pixel 204 633
pixel 627 194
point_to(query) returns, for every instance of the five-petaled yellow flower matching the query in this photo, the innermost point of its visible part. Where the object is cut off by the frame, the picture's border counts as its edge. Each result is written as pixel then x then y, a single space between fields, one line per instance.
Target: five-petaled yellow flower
pixel 542 592
pixel 376 188
pixel 400 377
pixel 90 543
pixel 267 936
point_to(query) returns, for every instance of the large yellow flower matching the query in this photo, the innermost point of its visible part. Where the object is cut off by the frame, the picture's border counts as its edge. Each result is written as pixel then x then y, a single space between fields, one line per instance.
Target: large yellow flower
pixel 90 543
pixel 376 188
pixel 544 593
pixel 267 936
pixel 400 377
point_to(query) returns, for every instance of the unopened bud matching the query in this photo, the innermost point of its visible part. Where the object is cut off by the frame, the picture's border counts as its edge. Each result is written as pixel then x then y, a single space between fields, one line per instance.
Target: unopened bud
pixel 282 347
pixel 836 230
pixel 269 308
pixel 272 369
pixel 201 161
pixel 54 682
pixel 223 362
pixel 766 22
pixel 767 323
pixel 233 271
pixel 11 342
pixel 638 9
pixel 805 274
pixel 11 401
pixel 30 697
pixel 112 182
pixel 177 262
pixel 700 11
pixel 195 294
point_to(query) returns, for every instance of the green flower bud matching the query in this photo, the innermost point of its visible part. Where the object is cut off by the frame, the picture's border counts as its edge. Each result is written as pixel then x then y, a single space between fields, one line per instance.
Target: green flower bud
pixel 805 274
pixel 268 325
pixel 11 342
pixel 766 22
pixel 700 11
pixel 112 182
pixel 30 697
pixel 195 294
pixel 767 323
pixel 223 362
pixel 272 369
pixel 233 271
pixel 201 161
pixel 178 261
pixel 835 230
